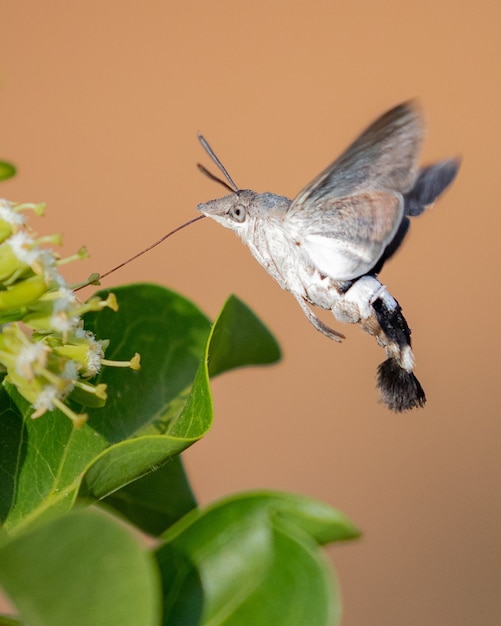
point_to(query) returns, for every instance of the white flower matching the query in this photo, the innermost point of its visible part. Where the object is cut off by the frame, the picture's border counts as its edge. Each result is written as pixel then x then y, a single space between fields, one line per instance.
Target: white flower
pixel 7 214
pixel 35 353
pixel 24 248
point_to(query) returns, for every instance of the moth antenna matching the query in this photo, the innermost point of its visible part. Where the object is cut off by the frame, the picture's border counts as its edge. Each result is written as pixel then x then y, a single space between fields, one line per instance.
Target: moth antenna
pixel 211 153
pixel 212 176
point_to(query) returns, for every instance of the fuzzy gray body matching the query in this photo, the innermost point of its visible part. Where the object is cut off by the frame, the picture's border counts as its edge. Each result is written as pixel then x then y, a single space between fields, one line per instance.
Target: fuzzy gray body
pixel 327 245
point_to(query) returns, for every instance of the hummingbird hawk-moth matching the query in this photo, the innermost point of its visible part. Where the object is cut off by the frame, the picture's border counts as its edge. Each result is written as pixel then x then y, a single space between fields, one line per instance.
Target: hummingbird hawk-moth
pixel 328 245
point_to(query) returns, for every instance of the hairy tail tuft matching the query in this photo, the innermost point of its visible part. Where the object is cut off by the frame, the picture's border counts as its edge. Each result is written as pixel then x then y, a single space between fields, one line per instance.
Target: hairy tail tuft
pixel 400 390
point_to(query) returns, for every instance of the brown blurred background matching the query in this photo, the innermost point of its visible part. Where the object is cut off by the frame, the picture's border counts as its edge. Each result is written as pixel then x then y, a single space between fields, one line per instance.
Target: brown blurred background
pixel 100 103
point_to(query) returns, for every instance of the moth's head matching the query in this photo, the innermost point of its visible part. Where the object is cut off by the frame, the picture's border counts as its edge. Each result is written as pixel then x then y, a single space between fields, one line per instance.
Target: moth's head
pixel 235 211
pixel 243 209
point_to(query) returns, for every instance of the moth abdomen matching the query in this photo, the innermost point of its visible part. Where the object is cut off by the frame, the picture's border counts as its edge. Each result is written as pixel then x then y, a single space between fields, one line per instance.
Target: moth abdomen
pixel 400 389
pixel 393 323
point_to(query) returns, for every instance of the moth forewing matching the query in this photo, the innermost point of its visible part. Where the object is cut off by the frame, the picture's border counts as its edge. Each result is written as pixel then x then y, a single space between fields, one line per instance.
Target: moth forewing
pixel 384 157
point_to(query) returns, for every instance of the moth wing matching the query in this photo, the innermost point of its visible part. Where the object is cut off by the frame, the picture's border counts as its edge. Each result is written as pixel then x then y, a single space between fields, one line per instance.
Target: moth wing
pixel 348 214
pixel 384 157
pixel 352 233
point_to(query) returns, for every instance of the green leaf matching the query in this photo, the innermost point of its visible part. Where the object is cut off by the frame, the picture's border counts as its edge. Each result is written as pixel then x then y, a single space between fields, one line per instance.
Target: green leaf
pixel 239 338
pixel 252 559
pixel 298 588
pixel 156 501
pixel 170 333
pixel 7 170
pixel 84 568
pixel 12 452
pixel 41 473
pixel 150 416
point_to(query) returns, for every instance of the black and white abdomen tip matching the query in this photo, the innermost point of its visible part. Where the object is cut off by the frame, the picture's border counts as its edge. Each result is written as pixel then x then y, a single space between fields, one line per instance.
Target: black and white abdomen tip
pixel 400 389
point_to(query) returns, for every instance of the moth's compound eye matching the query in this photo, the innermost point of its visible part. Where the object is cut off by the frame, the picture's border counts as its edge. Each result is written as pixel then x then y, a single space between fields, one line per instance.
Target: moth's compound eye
pixel 238 213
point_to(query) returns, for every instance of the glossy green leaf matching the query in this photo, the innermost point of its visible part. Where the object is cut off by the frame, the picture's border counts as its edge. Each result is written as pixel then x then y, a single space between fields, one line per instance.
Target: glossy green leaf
pixel 239 338
pixel 157 500
pixel 7 170
pixel 12 452
pixel 45 461
pixel 83 568
pixel 187 417
pixel 150 416
pixel 252 559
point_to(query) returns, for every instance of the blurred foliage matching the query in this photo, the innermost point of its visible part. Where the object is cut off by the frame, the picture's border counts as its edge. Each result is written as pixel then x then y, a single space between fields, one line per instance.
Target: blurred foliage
pixel 7 170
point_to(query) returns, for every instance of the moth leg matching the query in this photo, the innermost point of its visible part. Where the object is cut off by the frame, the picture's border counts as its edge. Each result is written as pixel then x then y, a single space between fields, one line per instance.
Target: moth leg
pixel 317 323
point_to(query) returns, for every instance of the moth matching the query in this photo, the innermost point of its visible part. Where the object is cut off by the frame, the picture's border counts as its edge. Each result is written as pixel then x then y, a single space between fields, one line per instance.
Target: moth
pixel 328 245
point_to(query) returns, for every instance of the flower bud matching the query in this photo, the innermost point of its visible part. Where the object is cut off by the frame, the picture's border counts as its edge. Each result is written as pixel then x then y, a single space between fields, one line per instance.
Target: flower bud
pixel 22 293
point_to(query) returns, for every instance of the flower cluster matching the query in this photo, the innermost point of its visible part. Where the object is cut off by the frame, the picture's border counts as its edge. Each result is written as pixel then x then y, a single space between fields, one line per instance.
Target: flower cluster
pixel 45 352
